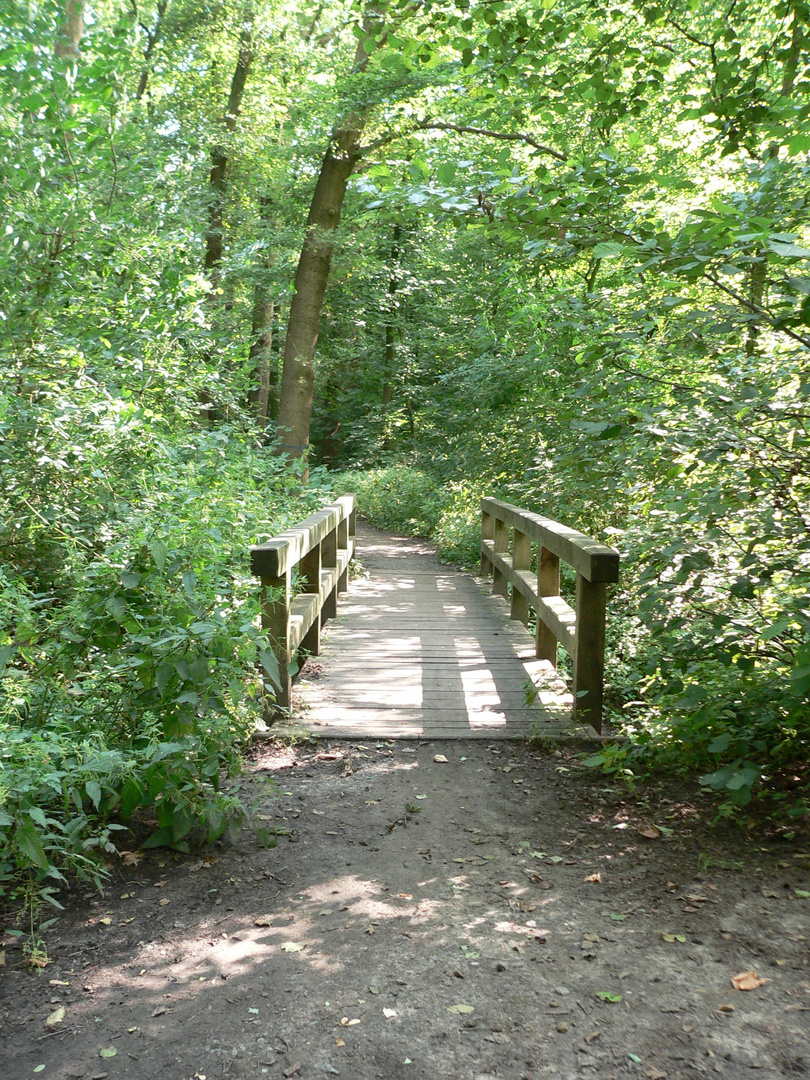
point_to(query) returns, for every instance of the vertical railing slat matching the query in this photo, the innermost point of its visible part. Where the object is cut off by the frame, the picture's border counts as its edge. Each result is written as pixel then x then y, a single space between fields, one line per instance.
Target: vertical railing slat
pixel 500 583
pixel 521 560
pixel 548 584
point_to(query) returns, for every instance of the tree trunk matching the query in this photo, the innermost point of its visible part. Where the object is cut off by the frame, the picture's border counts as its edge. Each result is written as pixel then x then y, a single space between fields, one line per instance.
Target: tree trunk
pixel 152 38
pixel 263 393
pixel 219 154
pixel 70 30
pixel 298 378
pixel 389 353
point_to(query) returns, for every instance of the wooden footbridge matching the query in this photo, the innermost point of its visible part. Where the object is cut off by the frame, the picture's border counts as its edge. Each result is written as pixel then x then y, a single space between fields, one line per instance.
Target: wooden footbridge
pixel 421 650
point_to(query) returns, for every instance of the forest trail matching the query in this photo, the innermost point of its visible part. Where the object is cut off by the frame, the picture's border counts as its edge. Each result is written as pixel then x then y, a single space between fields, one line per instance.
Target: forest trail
pixel 421 650
pixel 461 910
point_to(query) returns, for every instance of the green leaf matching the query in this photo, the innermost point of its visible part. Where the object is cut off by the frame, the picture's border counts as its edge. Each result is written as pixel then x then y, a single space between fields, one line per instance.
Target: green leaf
pixel 608 995
pixel 29 842
pixel 159 552
pixel 790 251
pixel 93 790
pixel 607 249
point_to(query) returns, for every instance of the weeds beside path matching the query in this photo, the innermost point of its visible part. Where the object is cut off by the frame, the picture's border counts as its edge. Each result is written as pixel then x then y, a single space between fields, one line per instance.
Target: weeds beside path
pixel 497 914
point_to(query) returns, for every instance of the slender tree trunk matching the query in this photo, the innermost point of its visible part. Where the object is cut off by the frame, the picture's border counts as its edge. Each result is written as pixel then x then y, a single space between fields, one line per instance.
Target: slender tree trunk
pixel 152 38
pixel 263 393
pixel 389 352
pixel 70 30
pixel 219 153
pixel 312 275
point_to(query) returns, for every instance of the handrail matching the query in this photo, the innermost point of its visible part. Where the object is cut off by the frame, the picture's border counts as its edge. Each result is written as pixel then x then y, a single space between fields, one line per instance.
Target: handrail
pixel 321 546
pixel 580 630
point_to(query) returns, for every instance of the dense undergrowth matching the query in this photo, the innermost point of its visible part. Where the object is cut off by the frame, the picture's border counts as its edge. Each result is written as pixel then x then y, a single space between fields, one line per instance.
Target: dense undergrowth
pixel 131 663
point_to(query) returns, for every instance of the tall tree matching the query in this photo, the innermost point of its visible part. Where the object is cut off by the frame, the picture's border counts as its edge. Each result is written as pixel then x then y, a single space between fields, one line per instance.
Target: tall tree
pixel 219 152
pixel 311 277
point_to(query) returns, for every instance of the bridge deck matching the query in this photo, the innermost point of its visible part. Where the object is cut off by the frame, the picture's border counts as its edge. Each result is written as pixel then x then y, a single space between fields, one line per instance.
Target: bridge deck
pixel 419 650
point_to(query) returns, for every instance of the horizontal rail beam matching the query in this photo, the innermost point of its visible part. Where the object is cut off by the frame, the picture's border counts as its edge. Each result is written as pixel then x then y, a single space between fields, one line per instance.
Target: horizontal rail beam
pixel 593 560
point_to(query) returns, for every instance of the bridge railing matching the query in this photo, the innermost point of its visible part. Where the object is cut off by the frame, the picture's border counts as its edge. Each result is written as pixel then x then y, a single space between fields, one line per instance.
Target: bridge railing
pixel 320 547
pixel 508 534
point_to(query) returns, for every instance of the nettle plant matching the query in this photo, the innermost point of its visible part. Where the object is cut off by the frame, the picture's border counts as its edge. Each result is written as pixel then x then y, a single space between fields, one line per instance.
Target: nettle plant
pixel 128 695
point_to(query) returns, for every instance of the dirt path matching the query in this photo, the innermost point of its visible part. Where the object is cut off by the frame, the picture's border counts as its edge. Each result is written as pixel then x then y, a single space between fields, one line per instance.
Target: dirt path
pixel 500 914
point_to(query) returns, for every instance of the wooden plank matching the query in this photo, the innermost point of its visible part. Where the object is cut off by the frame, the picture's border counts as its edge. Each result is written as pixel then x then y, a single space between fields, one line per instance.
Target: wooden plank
pixel 561 619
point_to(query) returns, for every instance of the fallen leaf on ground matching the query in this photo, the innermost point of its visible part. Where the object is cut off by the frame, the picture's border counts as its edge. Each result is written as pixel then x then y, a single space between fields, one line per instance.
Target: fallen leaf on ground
pixel 420 796
pixel 339 1042
pixel 58 982
pixel 748 980
pixel 106 921
pixel 293 946
pixel 56 1017
pixel 674 937
pixel 131 858
pixel 650 832
pixel 346 1022
pixel 164 901
pixel 608 995
pixel 440 758
pixel 459 1008
pixel 107 1052
pixel 388 1013
pixel 293 1069
pixel 263 920
pixel 595 878
pixel 802 894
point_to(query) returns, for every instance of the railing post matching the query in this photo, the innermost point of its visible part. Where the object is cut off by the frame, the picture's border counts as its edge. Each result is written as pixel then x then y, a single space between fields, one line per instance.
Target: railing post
pixel 589 654
pixel 343 545
pixel 521 560
pixel 329 559
pixel 487 533
pixel 275 609
pixel 548 584
pixel 500 583
pixel 310 569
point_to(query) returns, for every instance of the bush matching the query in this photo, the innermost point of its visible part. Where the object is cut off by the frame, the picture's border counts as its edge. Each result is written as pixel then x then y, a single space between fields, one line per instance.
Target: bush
pixel 399 498
pixel 130 682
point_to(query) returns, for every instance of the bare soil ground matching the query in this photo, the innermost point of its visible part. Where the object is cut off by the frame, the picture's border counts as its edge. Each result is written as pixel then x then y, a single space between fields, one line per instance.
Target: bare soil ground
pixel 503 913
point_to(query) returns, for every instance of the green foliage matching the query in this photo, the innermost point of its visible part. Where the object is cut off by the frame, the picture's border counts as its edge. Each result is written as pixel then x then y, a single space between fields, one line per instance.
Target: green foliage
pixel 398 498
pixel 131 675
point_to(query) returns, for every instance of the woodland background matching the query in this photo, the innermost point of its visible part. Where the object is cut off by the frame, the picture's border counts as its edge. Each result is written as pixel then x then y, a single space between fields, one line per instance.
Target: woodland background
pixel 255 253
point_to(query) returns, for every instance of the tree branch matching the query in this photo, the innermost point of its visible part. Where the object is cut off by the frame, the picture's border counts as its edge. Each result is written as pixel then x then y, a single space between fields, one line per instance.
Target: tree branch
pixel 462 129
